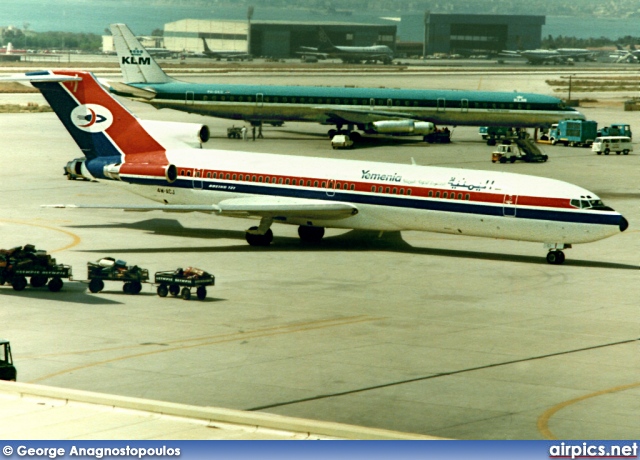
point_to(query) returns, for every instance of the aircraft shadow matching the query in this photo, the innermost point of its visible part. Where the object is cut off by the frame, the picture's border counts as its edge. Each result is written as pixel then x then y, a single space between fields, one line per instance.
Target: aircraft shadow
pixel 354 240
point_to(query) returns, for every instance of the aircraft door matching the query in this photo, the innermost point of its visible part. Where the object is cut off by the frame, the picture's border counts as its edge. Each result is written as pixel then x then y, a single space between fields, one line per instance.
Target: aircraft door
pixel 189 98
pixel 197 179
pixel 259 100
pixel 464 105
pixel 389 103
pixel 509 205
pixel 441 104
pixel 372 103
pixel 331 187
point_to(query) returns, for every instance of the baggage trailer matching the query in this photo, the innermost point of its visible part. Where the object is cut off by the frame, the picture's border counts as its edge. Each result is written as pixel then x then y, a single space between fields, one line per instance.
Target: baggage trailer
pixel 38 277
pixel 21 262
pixel 109 269
pixel 180 282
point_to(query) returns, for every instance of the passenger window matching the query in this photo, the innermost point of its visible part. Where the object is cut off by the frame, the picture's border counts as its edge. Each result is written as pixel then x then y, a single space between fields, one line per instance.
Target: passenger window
pixel 437 194
pixel 445 195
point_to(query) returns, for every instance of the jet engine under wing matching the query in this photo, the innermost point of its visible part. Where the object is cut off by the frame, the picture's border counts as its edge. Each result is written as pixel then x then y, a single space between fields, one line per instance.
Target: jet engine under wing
pixel 260 206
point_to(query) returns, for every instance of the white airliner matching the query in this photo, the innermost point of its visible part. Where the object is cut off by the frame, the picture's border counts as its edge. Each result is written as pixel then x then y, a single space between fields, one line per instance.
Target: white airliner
pixel 314 193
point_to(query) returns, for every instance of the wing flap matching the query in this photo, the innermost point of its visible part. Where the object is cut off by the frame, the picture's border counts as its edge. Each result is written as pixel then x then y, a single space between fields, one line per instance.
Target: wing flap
pixel 366 116
pixel 286 207
pixel 275 207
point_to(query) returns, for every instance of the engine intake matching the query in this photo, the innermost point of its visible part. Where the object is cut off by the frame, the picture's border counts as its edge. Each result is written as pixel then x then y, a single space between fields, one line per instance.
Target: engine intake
pixel 172 133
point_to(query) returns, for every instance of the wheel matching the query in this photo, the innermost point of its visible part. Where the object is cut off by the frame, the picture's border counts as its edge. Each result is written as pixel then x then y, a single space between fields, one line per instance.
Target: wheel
pixel 201 292
pixel 136 287
pixel 332 132
pixel 96 285
pixel 19 283
pixel 259 240
pixel 174 290
pixel 355 136
pixel 512 159
pixel 2 280
pixel 618 153
pixel 127 288
pixel 163 290
pixel 37 281
pixel 503 159
pixel 599 153
pixel 555 257
pixel 186 293
pixel 310 234
pixel 625 152
pixel 55 284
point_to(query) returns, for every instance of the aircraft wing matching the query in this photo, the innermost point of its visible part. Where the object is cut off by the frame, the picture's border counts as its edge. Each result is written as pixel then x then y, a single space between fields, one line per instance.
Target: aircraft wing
pixel 366 115
pixel 123 89
pixel 266 206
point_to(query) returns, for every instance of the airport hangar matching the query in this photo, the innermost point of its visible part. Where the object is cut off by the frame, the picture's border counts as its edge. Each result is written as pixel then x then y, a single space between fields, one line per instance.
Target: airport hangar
pixel 424 34
pixel 278 39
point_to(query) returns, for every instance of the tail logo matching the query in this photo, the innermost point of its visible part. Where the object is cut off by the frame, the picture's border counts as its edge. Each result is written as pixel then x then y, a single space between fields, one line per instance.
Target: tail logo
pixel 91 118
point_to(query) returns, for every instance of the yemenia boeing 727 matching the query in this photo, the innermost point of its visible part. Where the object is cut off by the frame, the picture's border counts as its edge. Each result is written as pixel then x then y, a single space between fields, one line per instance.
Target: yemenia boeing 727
pixel 314 193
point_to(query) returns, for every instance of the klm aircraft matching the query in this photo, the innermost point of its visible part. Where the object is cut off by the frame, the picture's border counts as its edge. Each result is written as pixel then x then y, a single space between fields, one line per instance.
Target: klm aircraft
pixel 371 110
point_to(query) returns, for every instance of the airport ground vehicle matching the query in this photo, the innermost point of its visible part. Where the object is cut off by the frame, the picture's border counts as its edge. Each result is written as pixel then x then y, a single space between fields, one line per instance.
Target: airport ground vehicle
pixel 180 281
pixel 234 132
pixel 439 136
pixel 616 129
pixel 7 369
pixel 492 134
pixel 512 152
pixel 341 141
pixel 574 133
pixel 21 262
pixel 612 144
pixel 110 269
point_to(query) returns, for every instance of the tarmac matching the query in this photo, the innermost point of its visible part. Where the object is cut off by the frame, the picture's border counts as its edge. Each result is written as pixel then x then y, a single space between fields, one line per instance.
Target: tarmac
pixel 432 334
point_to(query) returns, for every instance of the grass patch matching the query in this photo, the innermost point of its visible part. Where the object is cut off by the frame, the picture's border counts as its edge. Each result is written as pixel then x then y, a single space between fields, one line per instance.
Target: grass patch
pixel 29 108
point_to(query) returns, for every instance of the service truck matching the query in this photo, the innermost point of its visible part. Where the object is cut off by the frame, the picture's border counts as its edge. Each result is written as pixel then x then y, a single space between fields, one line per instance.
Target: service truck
pixel 616 129
pixel 574 133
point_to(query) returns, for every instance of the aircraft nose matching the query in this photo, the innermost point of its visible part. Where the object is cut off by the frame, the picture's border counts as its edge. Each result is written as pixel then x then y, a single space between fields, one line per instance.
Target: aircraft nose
pixel 624 224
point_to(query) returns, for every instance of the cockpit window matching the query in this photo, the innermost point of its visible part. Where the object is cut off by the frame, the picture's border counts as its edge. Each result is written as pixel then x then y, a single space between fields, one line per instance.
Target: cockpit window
pixel 590 204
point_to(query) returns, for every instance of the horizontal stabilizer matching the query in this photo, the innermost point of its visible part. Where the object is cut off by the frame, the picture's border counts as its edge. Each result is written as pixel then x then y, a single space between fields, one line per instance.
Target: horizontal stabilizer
pixel 39 77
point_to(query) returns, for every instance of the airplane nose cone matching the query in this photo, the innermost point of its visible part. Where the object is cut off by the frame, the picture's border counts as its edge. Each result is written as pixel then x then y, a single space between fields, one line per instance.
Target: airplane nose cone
pixel 624 224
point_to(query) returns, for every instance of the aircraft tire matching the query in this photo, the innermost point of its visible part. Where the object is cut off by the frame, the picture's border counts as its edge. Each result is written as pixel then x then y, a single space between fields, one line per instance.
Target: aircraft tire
pixel 555 257
pixel 259 240
pixel 309 234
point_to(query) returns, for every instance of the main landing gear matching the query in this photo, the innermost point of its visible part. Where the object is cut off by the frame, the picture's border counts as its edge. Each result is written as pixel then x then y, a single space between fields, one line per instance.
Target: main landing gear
pixel 263 236
pixel 555 256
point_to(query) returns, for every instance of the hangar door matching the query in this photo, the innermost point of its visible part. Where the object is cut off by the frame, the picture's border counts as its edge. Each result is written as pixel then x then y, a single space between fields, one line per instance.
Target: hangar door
pixel 276 43
pixel 478 37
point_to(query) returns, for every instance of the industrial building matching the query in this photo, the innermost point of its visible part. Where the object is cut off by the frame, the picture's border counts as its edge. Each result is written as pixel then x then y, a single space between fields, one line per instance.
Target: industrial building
pixel 279 39
pixel 480 33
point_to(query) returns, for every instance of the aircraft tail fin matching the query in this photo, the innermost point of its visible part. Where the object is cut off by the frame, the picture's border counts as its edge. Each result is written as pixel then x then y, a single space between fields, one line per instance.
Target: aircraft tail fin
pixel 106 132
pixel 136 63
pixel 206 47
pixel 325 42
